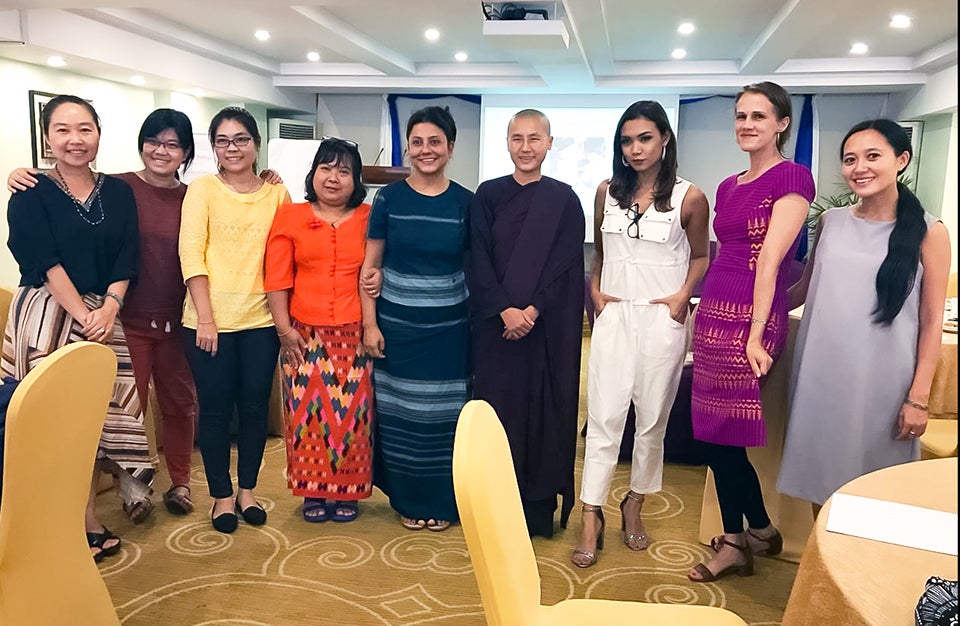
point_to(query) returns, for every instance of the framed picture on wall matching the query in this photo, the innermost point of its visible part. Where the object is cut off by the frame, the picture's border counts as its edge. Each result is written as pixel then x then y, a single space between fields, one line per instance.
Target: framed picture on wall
pixel 42 157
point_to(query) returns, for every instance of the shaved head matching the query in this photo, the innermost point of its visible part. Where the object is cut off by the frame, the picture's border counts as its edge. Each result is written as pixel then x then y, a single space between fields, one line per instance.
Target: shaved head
pixel 529 114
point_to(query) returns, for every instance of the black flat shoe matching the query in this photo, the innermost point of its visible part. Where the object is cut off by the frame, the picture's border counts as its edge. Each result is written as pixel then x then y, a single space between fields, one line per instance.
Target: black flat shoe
pixel 253 514
pixel 224 523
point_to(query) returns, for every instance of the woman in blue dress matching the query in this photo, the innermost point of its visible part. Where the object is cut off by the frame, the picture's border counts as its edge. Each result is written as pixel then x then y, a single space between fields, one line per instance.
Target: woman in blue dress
pixel 417 326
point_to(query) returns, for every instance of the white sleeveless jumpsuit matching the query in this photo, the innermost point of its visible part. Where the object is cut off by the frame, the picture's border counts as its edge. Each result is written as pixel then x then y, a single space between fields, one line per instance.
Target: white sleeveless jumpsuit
pixel 637 349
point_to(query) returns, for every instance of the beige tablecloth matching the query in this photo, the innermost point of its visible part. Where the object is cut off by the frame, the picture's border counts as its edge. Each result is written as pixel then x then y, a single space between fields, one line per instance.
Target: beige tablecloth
pixel 853 581
pixel 943 391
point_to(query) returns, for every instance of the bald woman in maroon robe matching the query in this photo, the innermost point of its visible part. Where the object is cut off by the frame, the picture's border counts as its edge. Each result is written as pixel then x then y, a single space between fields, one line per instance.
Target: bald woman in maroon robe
pixel 526 293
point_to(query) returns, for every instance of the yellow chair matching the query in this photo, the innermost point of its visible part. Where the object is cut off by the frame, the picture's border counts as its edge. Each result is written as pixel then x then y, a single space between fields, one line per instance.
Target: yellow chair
pixel 939 440
pixel 952 286
pixel 506 568
pixel 47 574
pixel 6 297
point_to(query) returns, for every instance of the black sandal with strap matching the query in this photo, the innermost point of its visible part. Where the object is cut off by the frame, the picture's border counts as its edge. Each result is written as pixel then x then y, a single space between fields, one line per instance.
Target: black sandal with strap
pixel 96 540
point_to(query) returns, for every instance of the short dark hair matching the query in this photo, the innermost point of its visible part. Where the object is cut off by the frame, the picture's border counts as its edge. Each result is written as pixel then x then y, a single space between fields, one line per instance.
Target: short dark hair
pixel 898 271
pixel 780 100
pixel 624 182
pixel 337 151
pixel 54 103
pixel 438 116
pixel 162 119
pixel 238 114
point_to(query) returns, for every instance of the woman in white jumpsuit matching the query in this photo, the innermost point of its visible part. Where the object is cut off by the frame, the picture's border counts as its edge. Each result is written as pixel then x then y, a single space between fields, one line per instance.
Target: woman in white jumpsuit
pixel 651 245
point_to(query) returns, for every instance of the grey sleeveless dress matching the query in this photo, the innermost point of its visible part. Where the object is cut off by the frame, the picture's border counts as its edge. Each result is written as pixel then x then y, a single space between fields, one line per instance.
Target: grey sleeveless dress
pixel 850 376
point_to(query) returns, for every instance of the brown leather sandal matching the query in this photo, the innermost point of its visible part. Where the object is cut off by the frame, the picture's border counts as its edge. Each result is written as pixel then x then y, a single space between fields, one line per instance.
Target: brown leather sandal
pixel 774 543
pixel 138 511
pixel 177 500
pixel 740 569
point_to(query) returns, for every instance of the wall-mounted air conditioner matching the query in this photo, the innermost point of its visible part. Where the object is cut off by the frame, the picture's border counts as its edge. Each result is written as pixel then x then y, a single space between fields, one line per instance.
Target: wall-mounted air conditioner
pixel 914 130
pixel 279 128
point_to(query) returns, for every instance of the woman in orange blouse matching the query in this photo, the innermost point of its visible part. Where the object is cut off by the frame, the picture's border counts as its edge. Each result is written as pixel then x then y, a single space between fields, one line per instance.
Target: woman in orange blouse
pixel 313 259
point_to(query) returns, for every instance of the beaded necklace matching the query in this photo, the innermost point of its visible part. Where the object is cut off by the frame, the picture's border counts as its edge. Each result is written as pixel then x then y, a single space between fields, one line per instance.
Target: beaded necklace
pixel 82 208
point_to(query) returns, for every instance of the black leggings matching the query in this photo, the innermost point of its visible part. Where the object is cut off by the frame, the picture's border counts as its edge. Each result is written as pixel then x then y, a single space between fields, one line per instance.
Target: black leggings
pixel 239 378
pixel 738 488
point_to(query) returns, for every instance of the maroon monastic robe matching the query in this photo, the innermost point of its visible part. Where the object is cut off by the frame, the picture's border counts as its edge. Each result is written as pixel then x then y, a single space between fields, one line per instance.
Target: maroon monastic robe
pixel 527 248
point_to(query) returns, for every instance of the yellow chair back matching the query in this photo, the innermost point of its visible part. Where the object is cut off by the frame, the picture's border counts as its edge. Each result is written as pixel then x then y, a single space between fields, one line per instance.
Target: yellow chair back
pixel 503 559
pixel 952 286
pixel 6 297
pixel 47 574
pixel 491 514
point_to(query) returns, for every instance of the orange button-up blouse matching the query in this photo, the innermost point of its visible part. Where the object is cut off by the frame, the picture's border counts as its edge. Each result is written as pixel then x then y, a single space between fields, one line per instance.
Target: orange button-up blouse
pixel 321 263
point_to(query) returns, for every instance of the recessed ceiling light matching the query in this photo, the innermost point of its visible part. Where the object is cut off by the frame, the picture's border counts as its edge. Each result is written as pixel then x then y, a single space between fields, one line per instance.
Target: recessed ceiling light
pixel 313 56
pixel 56 61
pixel 460 56
pixel 859 48
pixel 431 34
pixel 262 35
pixel 137 80
pixel 900 21
pixel 686 28
pixel 678 53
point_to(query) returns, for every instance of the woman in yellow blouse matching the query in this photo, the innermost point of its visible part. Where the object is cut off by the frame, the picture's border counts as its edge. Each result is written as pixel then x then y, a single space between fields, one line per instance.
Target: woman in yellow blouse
pixel 231 342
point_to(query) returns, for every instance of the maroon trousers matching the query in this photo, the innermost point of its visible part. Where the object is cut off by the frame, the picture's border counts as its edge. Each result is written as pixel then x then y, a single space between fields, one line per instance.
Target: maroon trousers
pixel 156 349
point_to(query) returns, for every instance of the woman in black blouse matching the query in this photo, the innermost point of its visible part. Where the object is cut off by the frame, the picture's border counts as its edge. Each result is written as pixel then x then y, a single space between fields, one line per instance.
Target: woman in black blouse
pixel 75 239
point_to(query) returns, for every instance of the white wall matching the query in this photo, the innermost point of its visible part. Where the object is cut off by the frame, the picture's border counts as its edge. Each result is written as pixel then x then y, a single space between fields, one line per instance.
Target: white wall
pixel 932 171
pixel 838 113
pixel 948 211
pixel 121 109
pixel 357 118
pixel 708 151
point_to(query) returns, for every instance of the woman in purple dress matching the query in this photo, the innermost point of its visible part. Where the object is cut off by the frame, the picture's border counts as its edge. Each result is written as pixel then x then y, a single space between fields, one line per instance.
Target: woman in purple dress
pixel 741 324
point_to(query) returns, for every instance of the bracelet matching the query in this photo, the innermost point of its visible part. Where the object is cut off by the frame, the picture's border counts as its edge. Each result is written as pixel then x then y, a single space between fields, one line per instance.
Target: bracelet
pixel 116 297
pixel 210 322
pixel 916 405
pixel 286 332
pixel 758 322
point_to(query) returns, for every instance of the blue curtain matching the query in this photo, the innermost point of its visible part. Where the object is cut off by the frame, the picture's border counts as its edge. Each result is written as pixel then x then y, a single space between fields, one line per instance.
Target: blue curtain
pixel 396 156
pixel 803 154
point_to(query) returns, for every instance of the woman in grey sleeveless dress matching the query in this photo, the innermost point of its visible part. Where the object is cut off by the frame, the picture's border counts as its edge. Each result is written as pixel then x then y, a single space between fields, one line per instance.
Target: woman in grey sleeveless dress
pixel 870 335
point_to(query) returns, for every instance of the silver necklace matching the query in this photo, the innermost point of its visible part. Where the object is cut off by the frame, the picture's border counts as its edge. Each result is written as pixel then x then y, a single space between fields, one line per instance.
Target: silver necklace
pixel 81 208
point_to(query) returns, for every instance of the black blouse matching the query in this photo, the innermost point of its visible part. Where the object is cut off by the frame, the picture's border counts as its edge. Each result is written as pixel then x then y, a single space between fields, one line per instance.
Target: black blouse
pixel 95 248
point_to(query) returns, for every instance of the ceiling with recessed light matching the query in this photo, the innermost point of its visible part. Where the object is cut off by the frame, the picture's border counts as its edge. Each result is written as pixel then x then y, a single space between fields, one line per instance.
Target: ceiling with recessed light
pixel 379 46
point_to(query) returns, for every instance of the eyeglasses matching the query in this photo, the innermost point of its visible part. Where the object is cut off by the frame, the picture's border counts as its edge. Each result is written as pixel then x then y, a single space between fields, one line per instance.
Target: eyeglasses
pixel 633 228
pixel 171 146
pixel 241 142
pixel 352 144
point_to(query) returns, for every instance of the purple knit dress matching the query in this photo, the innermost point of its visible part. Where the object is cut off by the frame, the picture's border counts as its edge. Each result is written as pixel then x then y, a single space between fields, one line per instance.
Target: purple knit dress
pixel 726 405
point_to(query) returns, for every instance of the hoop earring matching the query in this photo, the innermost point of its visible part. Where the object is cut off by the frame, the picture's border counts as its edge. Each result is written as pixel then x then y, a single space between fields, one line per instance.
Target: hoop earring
pixel 623 160
pixel 663 153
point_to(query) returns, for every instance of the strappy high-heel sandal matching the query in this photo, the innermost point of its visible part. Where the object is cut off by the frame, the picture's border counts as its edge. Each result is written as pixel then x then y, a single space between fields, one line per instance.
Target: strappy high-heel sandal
pixel 582 558
pixel 740 569
pixel 772 545
pixel 634 541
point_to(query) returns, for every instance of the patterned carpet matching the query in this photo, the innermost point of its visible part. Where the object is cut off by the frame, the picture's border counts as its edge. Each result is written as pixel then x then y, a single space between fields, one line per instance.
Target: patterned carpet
pixel 178 571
